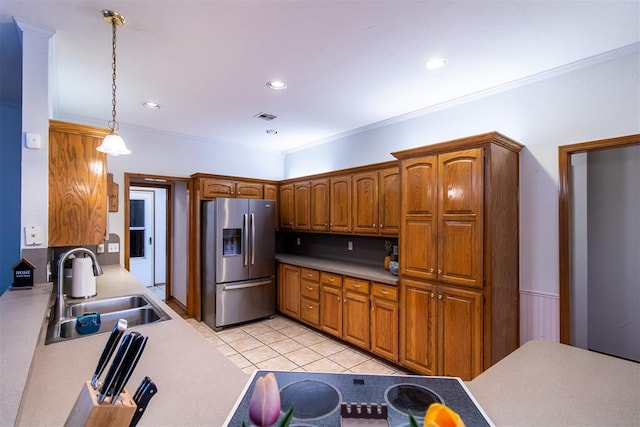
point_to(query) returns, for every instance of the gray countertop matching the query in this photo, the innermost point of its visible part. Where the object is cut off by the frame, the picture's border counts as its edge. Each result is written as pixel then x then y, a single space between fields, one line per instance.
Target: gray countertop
pixel 548 384
pixel 197 385
pixel 361 271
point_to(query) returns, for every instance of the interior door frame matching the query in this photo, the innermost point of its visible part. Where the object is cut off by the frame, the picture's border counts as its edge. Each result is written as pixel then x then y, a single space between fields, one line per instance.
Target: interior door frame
pixel 152 181
pixel 566 219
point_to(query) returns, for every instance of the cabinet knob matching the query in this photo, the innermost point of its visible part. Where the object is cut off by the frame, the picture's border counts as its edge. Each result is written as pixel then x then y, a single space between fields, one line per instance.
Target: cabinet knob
pixel 380 225
pixel 439 296
pixel 431 270
pixel 331 279
pixel 432 295
pixel 439 271
pixel 374 226
pixel 310 288
pixel 383 292
pixel 310 307
pixel 356 285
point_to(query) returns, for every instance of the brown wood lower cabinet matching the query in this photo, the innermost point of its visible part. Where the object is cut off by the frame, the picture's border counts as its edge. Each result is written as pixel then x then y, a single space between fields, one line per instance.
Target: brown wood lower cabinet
pixel 355 326
pixel 384 321
pixel 331 303
pixel 289 288
pixel 310 296
pixel 441 329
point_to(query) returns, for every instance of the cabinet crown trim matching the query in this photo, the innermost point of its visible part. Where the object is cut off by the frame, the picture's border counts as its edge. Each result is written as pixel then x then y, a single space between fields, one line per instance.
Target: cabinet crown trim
pixel 456 144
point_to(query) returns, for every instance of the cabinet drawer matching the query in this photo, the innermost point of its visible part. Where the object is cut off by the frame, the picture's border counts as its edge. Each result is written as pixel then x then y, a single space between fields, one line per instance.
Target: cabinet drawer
pixel 310 311
pixel 331 279
pixel 356 285
pixel 309 274
pixel 383 291
pixel 310 290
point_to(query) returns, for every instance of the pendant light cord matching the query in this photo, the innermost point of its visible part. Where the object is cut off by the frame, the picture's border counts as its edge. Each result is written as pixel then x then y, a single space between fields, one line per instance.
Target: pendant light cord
pixel 113 124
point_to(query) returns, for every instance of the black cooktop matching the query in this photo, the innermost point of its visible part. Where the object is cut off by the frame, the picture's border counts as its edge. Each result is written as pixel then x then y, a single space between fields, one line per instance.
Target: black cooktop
pixel 316 398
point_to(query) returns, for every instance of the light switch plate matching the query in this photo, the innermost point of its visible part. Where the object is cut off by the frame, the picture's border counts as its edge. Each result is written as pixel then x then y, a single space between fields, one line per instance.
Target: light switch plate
pixel 33 140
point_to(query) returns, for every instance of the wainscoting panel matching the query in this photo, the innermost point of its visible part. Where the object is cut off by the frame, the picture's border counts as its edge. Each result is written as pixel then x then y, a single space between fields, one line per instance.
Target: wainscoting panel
pixel 539 316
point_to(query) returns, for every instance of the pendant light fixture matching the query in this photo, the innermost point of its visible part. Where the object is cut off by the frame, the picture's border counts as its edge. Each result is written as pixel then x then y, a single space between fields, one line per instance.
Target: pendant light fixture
pixel 113 144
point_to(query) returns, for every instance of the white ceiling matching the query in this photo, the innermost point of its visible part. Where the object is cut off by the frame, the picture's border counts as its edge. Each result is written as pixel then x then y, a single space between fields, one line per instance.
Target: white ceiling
pixel 348 64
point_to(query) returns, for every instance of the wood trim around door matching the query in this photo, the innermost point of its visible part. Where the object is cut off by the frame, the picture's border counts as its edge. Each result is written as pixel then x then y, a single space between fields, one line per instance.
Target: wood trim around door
pixel 565 218
pixel 152 181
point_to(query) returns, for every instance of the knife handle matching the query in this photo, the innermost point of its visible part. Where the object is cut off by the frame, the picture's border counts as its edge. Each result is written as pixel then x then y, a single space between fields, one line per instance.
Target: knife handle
pixel 115 367
pixel 144 395
pixel 131 361
pixel 108 351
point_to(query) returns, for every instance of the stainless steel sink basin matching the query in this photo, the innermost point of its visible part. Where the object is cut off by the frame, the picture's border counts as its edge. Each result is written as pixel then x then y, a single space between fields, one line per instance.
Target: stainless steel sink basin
pixel 107 305
pixel 136 309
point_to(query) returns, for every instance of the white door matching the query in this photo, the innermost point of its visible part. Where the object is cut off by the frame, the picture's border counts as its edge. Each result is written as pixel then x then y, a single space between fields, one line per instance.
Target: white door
pixel 141 235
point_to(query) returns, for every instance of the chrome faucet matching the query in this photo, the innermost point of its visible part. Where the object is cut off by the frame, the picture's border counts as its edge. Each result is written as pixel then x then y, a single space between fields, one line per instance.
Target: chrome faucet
pixel 97 271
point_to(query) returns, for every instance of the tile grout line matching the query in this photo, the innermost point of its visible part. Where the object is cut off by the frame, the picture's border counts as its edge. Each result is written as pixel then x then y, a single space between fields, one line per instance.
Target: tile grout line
pixel 281 360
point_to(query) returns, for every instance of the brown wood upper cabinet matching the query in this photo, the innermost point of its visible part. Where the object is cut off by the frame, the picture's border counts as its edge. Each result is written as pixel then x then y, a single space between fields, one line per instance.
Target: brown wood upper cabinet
pixel 215 187
pixel 459 310
pixel 319 208
pixel 286 207
pixel 77 185
pixel 376 202
pixel 340 204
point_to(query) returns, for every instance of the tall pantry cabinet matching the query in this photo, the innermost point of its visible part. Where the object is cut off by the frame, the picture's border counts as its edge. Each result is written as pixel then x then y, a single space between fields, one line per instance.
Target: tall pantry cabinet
pixel 459 305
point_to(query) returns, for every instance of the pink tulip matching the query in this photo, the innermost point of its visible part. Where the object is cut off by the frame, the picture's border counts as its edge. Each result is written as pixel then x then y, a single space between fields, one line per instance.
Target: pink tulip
pixel 264 407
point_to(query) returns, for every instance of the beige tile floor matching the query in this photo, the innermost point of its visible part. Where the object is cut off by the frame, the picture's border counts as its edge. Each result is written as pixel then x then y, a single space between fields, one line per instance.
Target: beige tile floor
pixel 283 344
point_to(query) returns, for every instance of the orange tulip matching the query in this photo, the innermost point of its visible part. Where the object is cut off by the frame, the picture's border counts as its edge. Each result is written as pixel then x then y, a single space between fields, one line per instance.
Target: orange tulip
pixel 439 415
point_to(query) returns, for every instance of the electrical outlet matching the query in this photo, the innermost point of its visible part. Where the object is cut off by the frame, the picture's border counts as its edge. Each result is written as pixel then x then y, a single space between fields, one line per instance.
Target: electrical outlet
pixel 100 248
pixel 113 247
pixel 349 246
pixel 298 241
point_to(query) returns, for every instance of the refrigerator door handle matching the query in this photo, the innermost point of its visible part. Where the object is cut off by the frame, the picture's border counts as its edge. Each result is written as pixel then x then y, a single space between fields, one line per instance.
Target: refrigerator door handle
pixel 253 240
pixel 246 239
pixel 247 285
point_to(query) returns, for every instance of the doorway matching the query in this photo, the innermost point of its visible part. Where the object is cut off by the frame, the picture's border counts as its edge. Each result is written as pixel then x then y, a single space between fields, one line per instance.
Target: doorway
pixel 156 227
pixel 594 231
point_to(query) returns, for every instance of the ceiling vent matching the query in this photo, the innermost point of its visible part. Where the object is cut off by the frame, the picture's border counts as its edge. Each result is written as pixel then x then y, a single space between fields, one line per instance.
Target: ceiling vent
pixel 265 116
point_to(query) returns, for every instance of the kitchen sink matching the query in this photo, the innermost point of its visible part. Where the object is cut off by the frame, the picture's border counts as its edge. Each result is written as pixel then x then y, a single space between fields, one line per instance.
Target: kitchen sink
pixel 136 309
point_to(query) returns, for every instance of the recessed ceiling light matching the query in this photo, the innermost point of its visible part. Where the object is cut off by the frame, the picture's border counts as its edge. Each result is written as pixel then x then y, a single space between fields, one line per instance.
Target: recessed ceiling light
pixel 435 63
pixel 276 85
pixel 152 105
pixel 271 131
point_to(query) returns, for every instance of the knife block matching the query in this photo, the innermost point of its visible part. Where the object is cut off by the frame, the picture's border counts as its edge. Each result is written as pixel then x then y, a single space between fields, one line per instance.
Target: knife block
pixel 89 413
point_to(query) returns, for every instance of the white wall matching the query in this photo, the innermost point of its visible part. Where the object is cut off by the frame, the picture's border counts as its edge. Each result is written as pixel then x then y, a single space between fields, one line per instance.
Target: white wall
pixel 595 101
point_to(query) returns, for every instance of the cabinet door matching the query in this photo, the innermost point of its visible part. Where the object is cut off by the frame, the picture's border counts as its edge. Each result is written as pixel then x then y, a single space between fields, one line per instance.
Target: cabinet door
pixel 418 335
pixel 340 205
pixel 302 206
pixel 271 193
pixel 460 217
pixel 320 205
pixel 460 324
pixel 213 187
pixel 384 321
pixel 286 206
pixel 249 190
pixel 331 310
pixel 365 203
pixel 356 327
pixel 418 242
pixel 389 201
pixel 290 287
pixel 77 186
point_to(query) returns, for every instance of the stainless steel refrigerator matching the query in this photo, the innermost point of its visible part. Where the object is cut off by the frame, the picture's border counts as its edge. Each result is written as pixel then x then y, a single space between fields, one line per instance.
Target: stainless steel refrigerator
pixel 237 260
